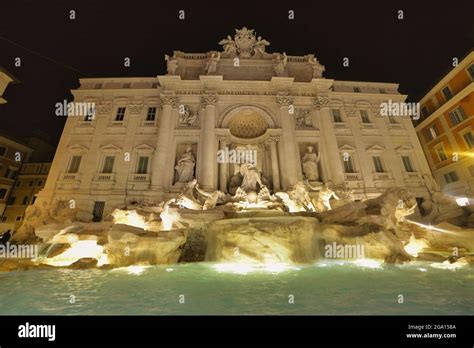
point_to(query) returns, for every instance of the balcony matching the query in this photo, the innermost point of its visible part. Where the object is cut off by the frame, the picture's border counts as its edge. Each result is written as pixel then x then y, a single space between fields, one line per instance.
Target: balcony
pixel 139 177
pixel 411 176
pixel 353 176
pixel 70 176
pixel 69 181
pixel 382 176
pixel 104 177
pixel 138 182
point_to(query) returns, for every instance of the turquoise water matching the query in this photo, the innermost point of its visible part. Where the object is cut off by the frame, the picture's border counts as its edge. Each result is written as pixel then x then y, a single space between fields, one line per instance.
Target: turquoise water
pixel 321 288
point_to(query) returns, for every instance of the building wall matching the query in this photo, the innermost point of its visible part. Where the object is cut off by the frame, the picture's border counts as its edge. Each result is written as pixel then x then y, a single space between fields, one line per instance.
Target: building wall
pixel 460 155
pixel 134 136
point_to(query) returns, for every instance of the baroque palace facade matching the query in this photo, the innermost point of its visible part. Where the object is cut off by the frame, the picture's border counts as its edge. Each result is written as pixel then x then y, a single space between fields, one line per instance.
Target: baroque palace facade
pixel 149 136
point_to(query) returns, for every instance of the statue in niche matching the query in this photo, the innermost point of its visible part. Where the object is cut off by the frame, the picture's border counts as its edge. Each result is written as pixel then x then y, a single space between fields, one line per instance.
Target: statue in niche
pixel 185 167
pixel 171 64
pixel 317 68
pixel 310 162
pixel 303 119
pixel 251 177
pixel 280 64
pixel 187 117
pixel 211 65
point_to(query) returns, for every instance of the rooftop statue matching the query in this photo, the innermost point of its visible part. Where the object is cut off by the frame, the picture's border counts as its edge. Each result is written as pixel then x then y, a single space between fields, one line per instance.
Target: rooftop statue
pixel 245 44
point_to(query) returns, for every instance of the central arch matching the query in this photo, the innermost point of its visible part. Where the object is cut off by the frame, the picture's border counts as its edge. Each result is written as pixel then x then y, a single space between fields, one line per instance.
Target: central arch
pixel 246 121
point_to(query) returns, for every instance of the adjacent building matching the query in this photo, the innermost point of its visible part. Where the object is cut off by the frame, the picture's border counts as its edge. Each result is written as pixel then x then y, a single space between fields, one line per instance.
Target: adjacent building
pixel 150 136
pixel 12 155
pixel 5 79
pixel 24 168
pixel 446 130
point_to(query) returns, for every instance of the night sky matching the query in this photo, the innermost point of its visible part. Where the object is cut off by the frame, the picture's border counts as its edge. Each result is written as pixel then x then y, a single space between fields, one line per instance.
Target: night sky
pixel 414 52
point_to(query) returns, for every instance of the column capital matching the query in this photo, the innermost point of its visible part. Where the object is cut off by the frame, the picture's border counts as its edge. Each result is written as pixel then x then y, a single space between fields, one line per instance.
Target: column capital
pixel 209 99
pixel 172 100
pixel 284 100
pixel 321 101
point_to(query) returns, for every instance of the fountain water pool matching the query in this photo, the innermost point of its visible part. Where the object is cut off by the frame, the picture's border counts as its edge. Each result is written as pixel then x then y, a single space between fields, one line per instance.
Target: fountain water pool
pixel 325 287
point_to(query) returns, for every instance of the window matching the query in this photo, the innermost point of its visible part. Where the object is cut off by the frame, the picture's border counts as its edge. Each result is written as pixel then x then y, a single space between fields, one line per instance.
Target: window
pixel 365 116
pixel 457 115
pixel 33 200
pixel 74 165
pixel 348 166
pixel 142 165
pixel 357 89
pixel 98 211
pixel 39 183
pixel 150 116
pixel 336 115
pixel 470 70
pixel 378 164
pixel 451 177
pixel 432 132
pixel 447 93
pixel 3 150
pixel 3 193
pixel 31 183
pixel 469 139
pixel 10 174
pixel 441 154
pixel 25 200
pixel 108 164
pixel 18 218
pixel 407 164
pixel 424 111
pixel 120 114
pixel 11 200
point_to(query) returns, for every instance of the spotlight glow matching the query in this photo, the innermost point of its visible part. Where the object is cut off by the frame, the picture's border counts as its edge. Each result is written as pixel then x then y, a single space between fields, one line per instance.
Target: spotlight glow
pixel 368 263
pixel 415 246
pixel 78 250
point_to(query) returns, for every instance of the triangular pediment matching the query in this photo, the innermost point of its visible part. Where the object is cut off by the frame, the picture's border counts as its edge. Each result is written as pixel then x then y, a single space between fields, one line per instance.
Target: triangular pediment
pixel 144 147
pixel 375 148
pixel 110 147
pixel 346 147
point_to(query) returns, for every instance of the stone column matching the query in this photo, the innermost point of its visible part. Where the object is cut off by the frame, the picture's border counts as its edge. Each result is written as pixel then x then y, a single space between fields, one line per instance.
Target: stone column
pixel 292 172
pixel 223 167
pixel 162 152
pixel 272 144
pixel 208 151
pixel 330 155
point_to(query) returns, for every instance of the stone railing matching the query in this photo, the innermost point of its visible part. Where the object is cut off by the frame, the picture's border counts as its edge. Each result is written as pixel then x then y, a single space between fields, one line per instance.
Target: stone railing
pixel 139 177
pixel 352 176
pixel 104 177
pixel 70 176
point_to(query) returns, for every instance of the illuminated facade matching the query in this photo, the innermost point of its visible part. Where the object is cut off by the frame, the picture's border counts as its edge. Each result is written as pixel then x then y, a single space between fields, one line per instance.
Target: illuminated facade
pixel 446 130
pixel 150 136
